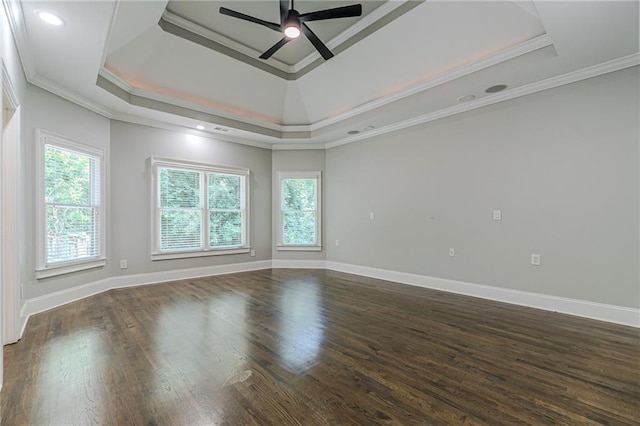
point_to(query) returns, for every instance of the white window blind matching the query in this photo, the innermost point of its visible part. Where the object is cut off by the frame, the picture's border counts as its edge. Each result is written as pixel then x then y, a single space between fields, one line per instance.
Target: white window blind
pixel 180 210
pixel 199 209
pixel 226 210
pixel 72 205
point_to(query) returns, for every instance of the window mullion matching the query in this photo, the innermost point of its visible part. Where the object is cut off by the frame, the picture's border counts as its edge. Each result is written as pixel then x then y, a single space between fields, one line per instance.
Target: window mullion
pixel 204 209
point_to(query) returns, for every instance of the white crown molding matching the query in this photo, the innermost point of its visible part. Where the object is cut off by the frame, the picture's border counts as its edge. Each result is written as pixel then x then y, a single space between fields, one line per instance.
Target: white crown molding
pixel 505 55
pixel 112 24
pixel 158 124
pixel 582 308
pixel 550 83
pixel 13 10
pixel 9 89
pixel 70 95
pixel 296 146
pixel 147 94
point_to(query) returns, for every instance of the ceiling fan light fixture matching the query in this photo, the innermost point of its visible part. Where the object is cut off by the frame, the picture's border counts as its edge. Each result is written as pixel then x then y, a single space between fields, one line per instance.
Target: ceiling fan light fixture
pixel 292 28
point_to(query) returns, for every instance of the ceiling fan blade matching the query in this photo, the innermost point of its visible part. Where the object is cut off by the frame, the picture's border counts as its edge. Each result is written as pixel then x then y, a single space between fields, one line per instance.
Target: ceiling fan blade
pixel 319 45
pixel 244 17
pixel 274 48
pixel 284 10
pixel 338 12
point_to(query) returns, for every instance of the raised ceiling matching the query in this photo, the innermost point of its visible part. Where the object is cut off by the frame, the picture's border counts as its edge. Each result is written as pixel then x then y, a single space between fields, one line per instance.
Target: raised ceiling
pixel 181 63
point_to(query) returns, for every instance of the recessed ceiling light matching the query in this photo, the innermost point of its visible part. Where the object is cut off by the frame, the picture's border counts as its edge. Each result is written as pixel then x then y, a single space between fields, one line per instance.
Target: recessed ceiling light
pixel 49 18
pixel 466 98
pixel 366 129
pixel 495 89
pixel 200 127
pixel 353 132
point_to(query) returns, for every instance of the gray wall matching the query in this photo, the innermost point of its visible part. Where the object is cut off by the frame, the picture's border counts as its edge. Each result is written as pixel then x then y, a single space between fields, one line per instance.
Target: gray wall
pixel 561 164
pixel 131 147
pixel 44 110
pixel 297 161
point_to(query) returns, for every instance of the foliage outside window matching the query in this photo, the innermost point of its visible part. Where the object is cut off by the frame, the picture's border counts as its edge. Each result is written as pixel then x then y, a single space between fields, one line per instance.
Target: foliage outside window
pixel 299 216
pixel 200 210
pixel 71 225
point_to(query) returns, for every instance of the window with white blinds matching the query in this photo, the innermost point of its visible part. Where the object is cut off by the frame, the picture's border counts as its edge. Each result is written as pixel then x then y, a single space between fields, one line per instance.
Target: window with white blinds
pixel 200 210
pixel 71 217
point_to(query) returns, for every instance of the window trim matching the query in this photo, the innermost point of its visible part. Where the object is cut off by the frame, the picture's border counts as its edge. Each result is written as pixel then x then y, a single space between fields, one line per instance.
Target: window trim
pixel 300 175
pixel 43 270
pixel 156 253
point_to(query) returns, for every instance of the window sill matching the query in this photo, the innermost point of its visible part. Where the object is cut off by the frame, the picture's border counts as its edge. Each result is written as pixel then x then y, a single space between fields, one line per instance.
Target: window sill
pixel 299 248
pixel 68 268
pixel 188 254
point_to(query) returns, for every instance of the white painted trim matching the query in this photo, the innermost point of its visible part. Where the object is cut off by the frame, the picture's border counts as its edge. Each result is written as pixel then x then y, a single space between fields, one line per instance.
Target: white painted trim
pixel 13 10
pixel 157 124
pixel 282 175
pixel 9 89
pixel 71 96
pixel 43 138
pixel 497 58
pixel 582 308
pixel 550 83
pixel 56 269
pixel 10 215
pixel 298 264
pixel 59 298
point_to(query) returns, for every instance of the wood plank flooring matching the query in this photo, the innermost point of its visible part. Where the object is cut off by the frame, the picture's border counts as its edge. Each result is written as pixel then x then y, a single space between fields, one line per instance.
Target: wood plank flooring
pixel 314 347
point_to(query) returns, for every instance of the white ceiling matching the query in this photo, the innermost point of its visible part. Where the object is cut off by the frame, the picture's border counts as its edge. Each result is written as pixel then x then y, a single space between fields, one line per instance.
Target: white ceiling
pixel 402 63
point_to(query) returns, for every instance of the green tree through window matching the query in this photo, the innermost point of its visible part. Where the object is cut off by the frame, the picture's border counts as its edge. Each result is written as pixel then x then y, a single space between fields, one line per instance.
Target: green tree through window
pixel 299 211
pixel 72 198
pixel 200 209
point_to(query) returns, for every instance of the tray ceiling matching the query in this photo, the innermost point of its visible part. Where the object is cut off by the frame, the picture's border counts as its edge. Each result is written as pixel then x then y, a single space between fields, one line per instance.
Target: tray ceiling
pixel 400 62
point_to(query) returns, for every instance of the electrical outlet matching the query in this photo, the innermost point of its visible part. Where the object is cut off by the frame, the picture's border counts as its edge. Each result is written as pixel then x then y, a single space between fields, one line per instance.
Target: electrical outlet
pixel 535 259
pixel 123 264
pixel 497 215
pixel 337 243
pixel 253 253
pixel 452 252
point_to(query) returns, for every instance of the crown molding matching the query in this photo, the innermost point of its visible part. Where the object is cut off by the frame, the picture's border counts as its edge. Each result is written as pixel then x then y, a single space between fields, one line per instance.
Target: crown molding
pixel 13 10
pixel 133 92
pixel 69 95
pixel 502 56
pixel 550 83
pixel 296 146
pixel 158 124
pixel 9 89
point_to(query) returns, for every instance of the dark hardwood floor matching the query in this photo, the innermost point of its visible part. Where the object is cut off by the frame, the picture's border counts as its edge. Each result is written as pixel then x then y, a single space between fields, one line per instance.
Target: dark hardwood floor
pixel 315 347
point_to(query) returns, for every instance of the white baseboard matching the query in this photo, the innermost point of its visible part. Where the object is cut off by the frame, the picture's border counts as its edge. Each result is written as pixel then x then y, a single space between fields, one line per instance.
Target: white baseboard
pixel 53 300
pixel 582 308
pixel 298 264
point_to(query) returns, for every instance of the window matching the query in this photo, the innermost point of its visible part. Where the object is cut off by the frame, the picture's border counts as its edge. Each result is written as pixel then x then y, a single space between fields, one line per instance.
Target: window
pixel 199 210
pixel 299 215
pixel 70 218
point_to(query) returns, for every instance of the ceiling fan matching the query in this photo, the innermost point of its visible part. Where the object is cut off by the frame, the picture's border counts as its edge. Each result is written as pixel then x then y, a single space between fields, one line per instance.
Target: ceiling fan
pixel 292 23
